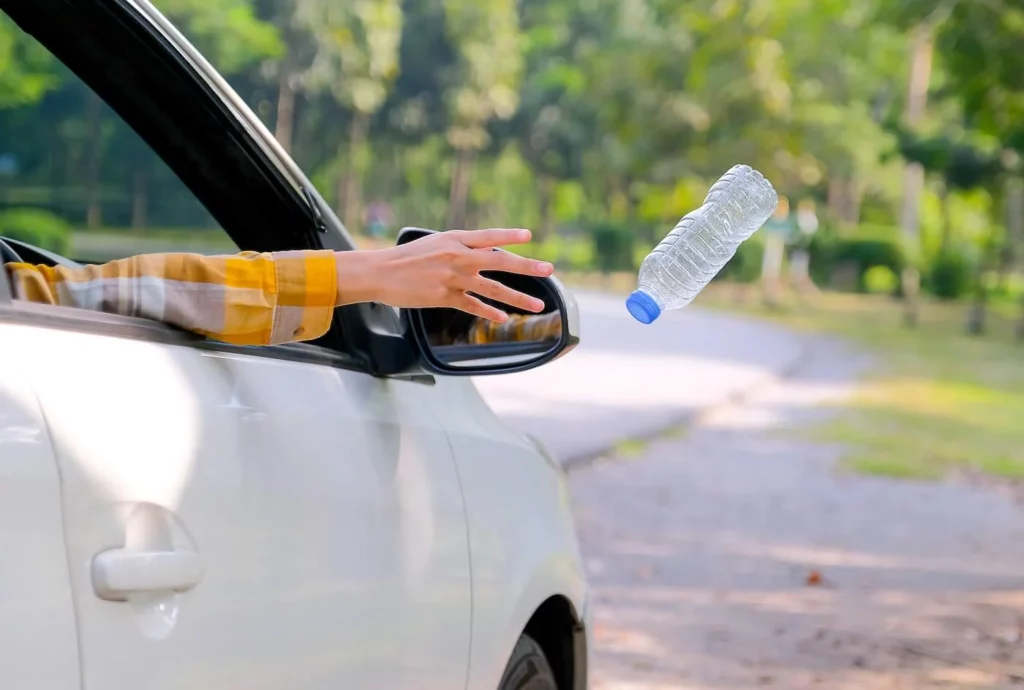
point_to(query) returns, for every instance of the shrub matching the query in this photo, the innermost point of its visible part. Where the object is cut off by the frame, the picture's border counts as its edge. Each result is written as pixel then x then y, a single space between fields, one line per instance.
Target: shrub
pixel 881 280
pixel 36 227
pixel 950 275
pixel 578 255
pixel 859 252
pixel 569 253
pixel 613 248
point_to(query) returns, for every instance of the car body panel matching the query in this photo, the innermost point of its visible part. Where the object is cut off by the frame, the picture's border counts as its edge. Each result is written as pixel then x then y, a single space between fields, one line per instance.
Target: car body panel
pixel 324 504
pixel 523 543
pixel 37 623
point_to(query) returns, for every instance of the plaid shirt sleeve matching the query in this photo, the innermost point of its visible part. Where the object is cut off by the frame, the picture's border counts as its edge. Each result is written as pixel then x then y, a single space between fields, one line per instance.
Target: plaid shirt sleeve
pixel 518 327
pixel 244 299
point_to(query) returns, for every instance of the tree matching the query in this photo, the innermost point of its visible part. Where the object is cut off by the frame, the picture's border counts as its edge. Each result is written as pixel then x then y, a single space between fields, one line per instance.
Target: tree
pixel 227 32
pixel 922 19
pixel 27 70
pixel 357 47
pixel 977 43
pixel 489 45
pixel 286 69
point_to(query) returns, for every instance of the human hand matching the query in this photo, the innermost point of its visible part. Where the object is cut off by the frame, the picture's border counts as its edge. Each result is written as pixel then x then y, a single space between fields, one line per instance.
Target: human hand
pixel 439 271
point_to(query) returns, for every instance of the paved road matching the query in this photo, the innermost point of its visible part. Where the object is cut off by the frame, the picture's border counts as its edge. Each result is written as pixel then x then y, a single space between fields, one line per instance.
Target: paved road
pixel 738 557
pixel 627 379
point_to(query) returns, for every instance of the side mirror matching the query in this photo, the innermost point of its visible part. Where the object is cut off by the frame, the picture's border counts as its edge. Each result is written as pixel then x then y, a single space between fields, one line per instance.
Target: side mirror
pixel 453 342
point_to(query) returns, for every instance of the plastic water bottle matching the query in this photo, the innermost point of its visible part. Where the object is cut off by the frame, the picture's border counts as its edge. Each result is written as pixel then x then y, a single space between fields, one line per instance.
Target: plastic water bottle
pixel 702 243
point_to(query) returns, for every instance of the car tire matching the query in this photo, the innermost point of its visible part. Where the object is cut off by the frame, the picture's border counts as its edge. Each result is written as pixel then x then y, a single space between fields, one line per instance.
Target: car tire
pixel 528 669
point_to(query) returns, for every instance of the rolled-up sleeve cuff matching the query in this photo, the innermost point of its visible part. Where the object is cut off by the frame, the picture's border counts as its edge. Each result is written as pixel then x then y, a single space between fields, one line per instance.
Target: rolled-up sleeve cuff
pixel 307 292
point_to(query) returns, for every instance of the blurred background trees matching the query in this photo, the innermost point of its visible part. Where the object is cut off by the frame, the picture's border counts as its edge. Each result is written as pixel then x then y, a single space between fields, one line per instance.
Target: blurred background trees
pixel 595 122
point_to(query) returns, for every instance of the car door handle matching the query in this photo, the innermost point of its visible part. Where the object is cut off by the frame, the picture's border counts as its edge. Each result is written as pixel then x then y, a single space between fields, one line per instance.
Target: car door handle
pixel 117 573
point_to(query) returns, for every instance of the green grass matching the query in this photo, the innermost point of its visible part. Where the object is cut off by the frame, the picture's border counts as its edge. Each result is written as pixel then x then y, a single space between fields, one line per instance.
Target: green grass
pixel 630 448
pixel 941 400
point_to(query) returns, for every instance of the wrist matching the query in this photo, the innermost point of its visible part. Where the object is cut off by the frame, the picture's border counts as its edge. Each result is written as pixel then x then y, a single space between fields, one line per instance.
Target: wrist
pixel 357 276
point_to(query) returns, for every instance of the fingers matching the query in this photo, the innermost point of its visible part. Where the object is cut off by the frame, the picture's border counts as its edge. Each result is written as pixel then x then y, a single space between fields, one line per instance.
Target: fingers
pixel 474 306
pixel 506 295
pixel 486 259
pixel 490 260
pixel 493 237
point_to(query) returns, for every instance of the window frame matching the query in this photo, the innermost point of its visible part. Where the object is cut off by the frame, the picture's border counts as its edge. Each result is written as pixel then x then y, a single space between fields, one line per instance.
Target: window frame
pixel 269 185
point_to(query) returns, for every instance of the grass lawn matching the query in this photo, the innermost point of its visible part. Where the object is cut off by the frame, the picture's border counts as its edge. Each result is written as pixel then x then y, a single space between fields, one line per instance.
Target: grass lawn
pixel 941 401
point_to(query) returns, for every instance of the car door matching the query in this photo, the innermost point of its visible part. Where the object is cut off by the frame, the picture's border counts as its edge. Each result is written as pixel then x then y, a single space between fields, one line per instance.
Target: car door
pixel 240 521
pixel 234 517
pixel 38 643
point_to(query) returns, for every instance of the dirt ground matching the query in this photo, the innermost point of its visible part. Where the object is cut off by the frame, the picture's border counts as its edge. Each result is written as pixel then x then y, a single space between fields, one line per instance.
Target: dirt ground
pixel 741 555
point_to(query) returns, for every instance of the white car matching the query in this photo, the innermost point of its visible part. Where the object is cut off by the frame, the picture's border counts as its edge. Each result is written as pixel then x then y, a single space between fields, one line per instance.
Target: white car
pixel 182 514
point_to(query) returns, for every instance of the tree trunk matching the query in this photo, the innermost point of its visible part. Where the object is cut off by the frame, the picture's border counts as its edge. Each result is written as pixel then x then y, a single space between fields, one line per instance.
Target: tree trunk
pixel 771 268
pixel 285 125
pixel 1020 323
pixel 835 200
pixel 460 190
pixel 977 315
pixel 800 271
pixel 845 197
pixel 913 177
pixel 1015 232
pixel 1008 251
pixel 94 161
pixel 546 195
pixel 349 187
pixel 140 197
pixel 947 222
pixel 856 202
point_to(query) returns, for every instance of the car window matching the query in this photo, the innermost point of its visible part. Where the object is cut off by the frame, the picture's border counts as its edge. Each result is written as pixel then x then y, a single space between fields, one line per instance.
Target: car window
pixel 75 179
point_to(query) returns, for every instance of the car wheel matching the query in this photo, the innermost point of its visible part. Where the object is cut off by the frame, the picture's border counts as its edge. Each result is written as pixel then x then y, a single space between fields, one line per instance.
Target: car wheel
pixel 528 669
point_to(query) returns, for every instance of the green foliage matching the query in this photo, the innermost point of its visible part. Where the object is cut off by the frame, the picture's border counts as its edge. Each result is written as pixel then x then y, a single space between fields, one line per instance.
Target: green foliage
pixel 950 275
pixel 226 31
pixel 549 112
pixel 870 247
pixel 613 247
pixel 571 254
pixel 881 280
pixel 490 45
pixel 356 49
pixel 27 71
pixel 745 266
pixel 36 227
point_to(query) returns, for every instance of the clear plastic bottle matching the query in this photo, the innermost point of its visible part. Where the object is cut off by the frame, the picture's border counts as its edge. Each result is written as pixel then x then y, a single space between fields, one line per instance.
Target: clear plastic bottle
pixel 702 242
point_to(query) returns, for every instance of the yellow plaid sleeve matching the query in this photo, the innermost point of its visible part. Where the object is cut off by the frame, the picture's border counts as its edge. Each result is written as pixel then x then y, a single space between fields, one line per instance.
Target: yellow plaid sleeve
pixel 245 299
pixel 518 328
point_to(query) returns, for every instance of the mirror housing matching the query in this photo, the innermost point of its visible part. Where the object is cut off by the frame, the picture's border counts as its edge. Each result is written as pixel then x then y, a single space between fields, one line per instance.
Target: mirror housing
pixel 454 343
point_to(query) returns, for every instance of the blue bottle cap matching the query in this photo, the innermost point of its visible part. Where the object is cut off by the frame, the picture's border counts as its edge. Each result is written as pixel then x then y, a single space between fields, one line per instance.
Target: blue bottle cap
pixel 643 307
